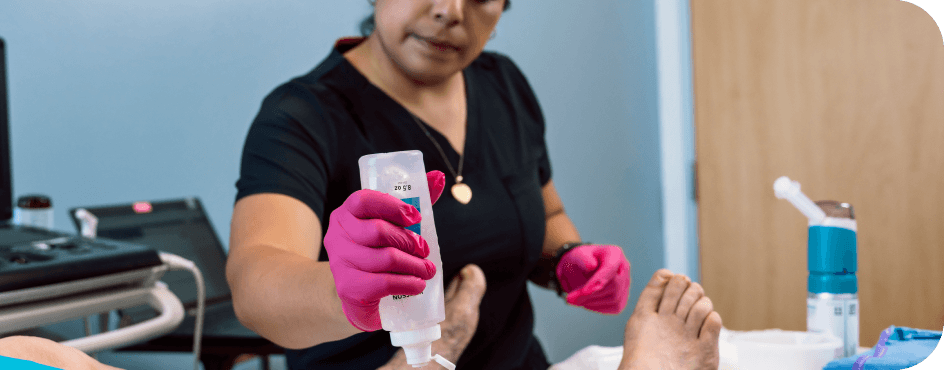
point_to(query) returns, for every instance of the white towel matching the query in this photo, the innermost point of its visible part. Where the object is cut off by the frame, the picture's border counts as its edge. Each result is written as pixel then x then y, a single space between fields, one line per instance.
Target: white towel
pixel 608 358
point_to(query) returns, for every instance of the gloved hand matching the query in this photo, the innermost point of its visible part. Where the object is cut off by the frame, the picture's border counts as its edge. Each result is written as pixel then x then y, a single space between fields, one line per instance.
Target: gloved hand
pixel 372 255
pixel 595 277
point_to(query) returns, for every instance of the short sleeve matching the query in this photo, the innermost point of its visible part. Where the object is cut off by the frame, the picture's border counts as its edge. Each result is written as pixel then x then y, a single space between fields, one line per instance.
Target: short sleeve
pixel 288 149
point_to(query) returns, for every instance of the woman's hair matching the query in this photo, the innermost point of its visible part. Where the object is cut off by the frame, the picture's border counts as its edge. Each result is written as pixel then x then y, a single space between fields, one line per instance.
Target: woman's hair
pixel 368 25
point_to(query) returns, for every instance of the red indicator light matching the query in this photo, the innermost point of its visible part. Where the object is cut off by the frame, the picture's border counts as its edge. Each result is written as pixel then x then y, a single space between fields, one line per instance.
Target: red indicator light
pixel 142 207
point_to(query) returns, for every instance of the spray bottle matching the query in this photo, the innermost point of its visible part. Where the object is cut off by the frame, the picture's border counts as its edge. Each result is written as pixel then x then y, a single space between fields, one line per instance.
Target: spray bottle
pixel 832 303
pixel 413 321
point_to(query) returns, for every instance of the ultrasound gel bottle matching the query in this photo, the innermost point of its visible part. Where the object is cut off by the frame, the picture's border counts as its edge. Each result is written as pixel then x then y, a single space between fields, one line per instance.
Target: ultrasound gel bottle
pixel 413 321
pixel 832 303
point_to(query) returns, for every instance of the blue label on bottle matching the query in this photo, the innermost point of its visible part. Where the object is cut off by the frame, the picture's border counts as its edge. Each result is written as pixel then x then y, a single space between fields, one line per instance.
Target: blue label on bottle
pixel 415 202
pixel 832 250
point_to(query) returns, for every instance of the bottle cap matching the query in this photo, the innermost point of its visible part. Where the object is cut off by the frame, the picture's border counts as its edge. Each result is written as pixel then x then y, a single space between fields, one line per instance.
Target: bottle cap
pixel 34 201
pixel 836 209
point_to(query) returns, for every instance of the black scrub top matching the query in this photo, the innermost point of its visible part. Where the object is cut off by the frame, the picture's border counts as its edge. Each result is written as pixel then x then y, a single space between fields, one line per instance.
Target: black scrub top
pixel 305 143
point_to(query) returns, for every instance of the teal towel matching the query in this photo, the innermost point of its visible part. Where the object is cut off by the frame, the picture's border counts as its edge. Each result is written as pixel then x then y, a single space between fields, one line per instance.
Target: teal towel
pixel 17 364
pixel 904 347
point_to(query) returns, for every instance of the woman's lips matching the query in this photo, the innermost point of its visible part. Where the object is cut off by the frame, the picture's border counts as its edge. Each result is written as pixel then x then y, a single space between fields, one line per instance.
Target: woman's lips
pixel 437 44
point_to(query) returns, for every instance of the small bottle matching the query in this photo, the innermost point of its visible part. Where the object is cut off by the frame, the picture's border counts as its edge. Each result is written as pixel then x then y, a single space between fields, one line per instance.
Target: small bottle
pixel 34 210
pixel 413 321
pixel 832 303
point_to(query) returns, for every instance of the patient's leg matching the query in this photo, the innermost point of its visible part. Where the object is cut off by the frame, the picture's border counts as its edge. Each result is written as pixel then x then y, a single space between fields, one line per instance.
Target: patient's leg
pixel 673 327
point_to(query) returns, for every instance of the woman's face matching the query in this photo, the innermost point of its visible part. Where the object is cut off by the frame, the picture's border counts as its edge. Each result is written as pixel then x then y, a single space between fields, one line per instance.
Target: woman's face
pixel 431 40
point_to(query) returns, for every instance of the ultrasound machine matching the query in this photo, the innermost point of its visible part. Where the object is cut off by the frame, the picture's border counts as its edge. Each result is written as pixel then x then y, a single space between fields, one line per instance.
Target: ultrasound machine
pixel 48 277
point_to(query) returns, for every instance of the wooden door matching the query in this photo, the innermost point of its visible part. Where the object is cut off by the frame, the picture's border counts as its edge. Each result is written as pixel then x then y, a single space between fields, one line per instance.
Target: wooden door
pixel 846 97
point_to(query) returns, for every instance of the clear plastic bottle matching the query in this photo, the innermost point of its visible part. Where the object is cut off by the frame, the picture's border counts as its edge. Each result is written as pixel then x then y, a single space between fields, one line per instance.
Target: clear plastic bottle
pixel 832 303
pixel 413 321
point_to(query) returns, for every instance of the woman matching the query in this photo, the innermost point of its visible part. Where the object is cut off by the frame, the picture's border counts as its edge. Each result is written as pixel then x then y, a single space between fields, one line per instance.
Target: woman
pixel 311 254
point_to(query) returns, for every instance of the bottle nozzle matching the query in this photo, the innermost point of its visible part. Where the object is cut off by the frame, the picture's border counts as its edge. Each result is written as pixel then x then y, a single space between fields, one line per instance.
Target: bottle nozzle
pixel 444 362
pixel 419 356
pixel 784 188
pixel 417 346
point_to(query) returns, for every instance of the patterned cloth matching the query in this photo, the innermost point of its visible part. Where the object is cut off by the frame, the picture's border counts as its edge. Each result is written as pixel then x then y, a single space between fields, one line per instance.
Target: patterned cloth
pixel 904 348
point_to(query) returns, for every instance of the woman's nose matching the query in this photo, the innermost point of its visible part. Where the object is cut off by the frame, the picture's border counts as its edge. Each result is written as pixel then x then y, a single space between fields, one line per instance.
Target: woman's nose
pixel 448 12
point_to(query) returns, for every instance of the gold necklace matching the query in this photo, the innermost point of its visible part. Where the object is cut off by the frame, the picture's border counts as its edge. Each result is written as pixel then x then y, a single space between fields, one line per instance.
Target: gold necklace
pixel 460 191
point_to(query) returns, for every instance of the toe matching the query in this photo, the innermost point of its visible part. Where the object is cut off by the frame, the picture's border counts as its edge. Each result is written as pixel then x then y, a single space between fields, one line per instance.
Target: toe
pixel 711 329
pixel 691 295
pixel 652 293
pixel 708 339
pixel 472 286
pixel 450 291
pixel 673 292
pixel 697 315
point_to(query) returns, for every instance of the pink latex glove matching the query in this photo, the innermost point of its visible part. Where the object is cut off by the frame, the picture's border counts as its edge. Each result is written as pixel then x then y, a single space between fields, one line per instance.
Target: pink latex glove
pixel 372 255
pixel 595 277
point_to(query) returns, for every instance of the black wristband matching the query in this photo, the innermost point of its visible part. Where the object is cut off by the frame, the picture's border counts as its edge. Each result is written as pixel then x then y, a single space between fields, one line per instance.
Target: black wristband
pixel 555 281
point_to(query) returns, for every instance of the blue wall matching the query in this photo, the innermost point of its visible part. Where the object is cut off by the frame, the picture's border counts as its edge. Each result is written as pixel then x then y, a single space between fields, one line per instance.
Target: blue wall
pixel 594 70
pixel 123 101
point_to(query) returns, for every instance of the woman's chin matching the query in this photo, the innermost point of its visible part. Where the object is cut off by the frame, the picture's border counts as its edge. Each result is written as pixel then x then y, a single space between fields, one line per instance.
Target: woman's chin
pixel 431 75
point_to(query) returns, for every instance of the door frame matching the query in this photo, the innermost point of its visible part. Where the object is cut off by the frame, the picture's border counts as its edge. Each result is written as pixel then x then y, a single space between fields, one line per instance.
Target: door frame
pixel 677 136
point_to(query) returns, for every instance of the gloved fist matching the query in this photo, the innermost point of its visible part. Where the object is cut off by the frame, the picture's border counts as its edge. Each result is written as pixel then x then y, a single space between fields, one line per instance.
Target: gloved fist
pixel 372 255
pixel 595 277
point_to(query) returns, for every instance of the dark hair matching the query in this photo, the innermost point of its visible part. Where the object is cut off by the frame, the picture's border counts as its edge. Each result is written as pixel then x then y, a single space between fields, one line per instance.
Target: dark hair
pixel 368 24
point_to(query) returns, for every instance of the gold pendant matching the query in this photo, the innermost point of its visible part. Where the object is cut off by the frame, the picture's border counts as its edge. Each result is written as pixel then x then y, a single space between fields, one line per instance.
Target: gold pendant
pixel 462 193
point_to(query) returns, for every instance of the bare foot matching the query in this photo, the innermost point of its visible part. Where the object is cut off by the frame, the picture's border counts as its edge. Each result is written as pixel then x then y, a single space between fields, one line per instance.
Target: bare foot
pixel 462 299
pixel 673 327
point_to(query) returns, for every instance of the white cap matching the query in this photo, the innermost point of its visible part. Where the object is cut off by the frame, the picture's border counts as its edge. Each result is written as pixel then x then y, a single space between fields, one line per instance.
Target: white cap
pixel 787 189
pixel 417 345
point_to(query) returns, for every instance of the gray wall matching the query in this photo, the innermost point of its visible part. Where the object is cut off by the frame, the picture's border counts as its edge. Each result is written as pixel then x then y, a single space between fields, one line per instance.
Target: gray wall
pixel 121 101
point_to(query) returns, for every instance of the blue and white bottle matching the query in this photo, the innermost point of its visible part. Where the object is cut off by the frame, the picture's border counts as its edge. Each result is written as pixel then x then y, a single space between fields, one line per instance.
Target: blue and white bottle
pixel 832 303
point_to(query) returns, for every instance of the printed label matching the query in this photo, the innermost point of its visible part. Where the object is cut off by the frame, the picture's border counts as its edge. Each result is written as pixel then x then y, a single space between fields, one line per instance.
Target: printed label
pixel 837 316
pixel 401 296
pixel 852 328
pixel 415 202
